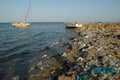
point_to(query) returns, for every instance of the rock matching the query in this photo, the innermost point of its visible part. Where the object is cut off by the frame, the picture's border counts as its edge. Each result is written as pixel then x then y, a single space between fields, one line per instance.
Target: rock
pixel 16 78
pixel 100 58
pixel 94 54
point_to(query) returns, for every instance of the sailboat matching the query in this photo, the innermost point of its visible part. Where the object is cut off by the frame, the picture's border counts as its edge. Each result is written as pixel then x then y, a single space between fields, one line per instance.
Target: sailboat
pixel 24 23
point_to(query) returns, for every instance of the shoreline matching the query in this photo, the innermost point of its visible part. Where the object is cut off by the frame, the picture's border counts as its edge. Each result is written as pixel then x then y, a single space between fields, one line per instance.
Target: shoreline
pixel 93 54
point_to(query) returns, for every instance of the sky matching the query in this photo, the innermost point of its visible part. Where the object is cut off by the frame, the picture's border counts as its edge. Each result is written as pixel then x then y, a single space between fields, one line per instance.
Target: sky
pixel 60 10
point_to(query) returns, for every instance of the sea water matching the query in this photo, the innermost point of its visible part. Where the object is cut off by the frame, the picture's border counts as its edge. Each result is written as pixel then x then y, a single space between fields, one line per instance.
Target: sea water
pixel 21 48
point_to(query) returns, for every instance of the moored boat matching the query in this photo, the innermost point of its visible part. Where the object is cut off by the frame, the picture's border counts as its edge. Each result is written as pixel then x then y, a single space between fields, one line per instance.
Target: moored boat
pixel 74 25
pixel 21 24
pixel 25 23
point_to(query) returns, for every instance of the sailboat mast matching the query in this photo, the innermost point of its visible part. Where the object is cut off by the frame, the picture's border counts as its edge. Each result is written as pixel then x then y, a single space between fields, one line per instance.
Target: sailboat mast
pixel 30 2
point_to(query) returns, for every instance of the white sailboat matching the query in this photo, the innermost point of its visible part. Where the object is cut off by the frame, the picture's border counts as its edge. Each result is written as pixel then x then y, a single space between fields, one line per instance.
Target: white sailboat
pixel 24 23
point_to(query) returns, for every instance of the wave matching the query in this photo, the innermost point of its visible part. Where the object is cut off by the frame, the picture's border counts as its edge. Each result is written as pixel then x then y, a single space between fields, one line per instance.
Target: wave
pixel 13 52
pixel 13 56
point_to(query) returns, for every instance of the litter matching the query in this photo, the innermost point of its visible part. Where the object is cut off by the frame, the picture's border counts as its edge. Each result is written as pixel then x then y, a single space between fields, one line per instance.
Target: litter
pixel 104 69
pixel 83 77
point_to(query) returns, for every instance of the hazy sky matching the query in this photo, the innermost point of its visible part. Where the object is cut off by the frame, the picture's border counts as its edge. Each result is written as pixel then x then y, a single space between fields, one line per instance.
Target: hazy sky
pixel 60 10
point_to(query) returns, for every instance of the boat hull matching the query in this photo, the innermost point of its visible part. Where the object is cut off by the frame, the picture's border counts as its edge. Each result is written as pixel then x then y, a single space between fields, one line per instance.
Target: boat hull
pixel 21 24
pixel 74 25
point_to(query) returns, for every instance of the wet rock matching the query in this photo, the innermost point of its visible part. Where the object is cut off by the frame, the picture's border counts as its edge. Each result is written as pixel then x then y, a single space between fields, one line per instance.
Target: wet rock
pixel 100 58
pixel 65 44
pixel 70 47
pixel 16 78
pixel 118 37
pixel 67 77
pixel 72 38
pixel 47 47
pixel 54 74
pixel 76 68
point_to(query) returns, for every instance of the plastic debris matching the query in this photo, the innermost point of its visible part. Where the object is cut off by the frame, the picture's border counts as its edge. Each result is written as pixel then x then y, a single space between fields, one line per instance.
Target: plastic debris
pixel 39 63
pixel 80 58
pixel 92 55
pixel 104 69
pixel 44 56
pixel 83 77
pixel 64 54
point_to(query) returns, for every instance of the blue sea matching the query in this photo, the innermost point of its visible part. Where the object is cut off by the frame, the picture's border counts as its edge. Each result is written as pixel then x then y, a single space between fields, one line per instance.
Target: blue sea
pixel 22 48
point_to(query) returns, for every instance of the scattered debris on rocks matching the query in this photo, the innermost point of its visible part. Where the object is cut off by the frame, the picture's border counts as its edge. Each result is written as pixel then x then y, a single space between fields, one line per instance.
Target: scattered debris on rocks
pixel 94 54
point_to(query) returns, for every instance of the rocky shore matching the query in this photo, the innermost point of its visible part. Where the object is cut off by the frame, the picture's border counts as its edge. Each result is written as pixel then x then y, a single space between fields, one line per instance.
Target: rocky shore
pixel 93 54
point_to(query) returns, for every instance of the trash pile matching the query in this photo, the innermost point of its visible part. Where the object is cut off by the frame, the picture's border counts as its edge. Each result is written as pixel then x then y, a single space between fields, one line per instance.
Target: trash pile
pixel 94 54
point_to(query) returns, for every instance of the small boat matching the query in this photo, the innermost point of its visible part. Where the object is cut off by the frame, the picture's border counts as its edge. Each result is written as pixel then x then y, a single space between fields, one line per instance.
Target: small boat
pixel 21 24
pixel 74 25
pixel 25 23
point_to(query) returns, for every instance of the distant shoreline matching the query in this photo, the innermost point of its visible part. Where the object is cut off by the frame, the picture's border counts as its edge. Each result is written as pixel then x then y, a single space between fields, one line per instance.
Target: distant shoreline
pixel 69 22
